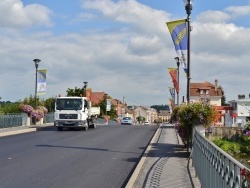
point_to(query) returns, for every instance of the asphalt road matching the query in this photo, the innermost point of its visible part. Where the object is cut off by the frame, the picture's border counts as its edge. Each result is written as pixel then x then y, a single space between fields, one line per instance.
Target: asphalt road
pixel 103 157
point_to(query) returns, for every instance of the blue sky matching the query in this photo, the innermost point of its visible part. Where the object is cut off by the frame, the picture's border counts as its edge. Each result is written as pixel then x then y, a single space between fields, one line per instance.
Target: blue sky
pixel 121 47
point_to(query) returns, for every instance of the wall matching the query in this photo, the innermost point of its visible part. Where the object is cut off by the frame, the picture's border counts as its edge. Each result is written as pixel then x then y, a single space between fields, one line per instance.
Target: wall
pixel 223 132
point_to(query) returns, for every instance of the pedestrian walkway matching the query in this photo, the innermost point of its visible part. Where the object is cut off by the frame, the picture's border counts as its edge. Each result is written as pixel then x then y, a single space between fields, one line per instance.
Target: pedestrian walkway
pixel 165 163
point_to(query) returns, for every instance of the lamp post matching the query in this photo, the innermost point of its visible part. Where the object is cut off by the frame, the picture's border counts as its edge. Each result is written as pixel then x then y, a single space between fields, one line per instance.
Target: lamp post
pixel 85 88
pixel 188 8
pixel 36 61
pixel 178 65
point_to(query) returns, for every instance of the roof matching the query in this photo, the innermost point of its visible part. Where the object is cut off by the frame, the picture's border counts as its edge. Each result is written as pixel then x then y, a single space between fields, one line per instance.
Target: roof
pixel 214 90
pixel 96 97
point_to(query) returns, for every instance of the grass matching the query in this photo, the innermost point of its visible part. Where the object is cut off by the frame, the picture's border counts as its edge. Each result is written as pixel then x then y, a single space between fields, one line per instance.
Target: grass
pixel 239 149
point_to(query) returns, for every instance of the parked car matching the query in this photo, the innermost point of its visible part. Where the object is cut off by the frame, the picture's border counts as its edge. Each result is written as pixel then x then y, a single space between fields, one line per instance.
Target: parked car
pixel 146 123
pixel 126 121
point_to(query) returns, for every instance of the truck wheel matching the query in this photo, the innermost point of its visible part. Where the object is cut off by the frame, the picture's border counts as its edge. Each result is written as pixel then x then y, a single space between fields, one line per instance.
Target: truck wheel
pixel 59 128
pixel 92 126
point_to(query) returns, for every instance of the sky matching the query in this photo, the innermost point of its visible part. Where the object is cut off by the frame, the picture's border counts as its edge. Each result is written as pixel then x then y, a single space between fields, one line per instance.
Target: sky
pixel 121 47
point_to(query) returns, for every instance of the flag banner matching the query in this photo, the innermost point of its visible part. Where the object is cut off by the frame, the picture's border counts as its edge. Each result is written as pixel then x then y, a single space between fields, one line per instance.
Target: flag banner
pixel 41 81
pixel 173 73
pixel 172 93
pixel 178 31
pixel 108 105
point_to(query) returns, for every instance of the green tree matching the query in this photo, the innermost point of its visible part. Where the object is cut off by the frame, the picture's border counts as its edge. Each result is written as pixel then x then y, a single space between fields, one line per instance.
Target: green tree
pixel 77 92
pixel 50 104
pixel 31 101
pixel 223 98
pixel 140 119
pixel 11 108
pixel 112 113
pixel 192 114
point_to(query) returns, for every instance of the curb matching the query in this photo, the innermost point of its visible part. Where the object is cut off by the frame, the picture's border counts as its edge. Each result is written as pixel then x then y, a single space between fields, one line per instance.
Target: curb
pixel 136 172
pixel 17 131
pixel 22 129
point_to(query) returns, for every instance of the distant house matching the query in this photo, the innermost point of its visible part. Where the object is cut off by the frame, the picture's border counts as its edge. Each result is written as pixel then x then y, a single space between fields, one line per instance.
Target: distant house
pixel 140 111
pixel 206 92
pixel 152 115
pixel 211 94
pixel 240 113
pixel 164 115
pixel 96 97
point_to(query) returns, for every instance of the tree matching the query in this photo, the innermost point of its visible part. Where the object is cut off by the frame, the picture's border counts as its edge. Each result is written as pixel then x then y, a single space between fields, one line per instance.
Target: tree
pixel 50 104
pixel 223 98
pixel 10 108
pixel 160 107
pixel 193 114
pixel 112 113
pixel 140 119
pixel 76 92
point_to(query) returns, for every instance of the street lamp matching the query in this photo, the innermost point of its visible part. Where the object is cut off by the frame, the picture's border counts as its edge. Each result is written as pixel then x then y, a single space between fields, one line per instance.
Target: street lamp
pixel 188 7
pixel 36 61
pixel 178 89
pixel 85 88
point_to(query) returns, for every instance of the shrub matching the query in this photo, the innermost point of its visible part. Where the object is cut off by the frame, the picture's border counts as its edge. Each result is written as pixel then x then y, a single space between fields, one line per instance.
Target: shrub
pixel 192 114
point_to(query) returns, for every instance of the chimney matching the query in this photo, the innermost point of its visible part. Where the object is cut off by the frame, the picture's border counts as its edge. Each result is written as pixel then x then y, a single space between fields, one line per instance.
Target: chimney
pixel 216 85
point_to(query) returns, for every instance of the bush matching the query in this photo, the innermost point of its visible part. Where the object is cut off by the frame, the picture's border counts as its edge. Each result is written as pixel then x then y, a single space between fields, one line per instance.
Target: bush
pixel 192 114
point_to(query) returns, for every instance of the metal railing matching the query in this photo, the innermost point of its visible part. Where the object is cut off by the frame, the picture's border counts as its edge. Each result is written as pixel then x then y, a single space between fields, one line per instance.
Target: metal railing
pixel 49 118
pixel 214 167
pixel 22 119
pixel 11 120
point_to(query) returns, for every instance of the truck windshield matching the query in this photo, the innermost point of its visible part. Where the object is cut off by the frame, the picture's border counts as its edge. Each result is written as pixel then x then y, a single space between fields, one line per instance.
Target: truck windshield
pixel 68 104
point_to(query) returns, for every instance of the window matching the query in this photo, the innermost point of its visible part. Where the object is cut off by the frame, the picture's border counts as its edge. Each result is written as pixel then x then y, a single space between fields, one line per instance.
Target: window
pixel 207 92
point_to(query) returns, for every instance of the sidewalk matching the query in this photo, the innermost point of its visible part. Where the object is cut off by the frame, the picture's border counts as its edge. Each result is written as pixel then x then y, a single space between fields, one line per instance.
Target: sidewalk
pixel 165 163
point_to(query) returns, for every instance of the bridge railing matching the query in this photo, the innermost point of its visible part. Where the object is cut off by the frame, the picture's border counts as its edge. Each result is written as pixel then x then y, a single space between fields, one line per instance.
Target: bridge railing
pixel 10 120
pixel 213 166
pixel 22 119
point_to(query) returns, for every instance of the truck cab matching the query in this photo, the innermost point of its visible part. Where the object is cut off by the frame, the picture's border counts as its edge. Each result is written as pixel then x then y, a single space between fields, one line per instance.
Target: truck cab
pixel 75 112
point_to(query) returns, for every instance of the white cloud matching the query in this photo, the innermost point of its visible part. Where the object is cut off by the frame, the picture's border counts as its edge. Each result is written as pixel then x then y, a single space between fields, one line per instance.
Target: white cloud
pixel 14 15
pixel 213 17
pixel 238 11
pixel 128 57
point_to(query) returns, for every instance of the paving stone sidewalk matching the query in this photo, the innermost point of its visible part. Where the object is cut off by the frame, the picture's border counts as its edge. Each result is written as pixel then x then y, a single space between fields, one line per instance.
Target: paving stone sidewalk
pixel 166 163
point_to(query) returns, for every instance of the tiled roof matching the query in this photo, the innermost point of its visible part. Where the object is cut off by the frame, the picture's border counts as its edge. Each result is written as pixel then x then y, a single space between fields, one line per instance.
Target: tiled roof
pixel 213 89
pixel 96 97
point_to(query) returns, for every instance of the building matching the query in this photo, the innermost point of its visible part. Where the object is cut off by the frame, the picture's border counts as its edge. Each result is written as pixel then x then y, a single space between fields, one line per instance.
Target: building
pixel 240 111
pixel 164 115
pixel 206 92
pixel 152 115
pixel 211 94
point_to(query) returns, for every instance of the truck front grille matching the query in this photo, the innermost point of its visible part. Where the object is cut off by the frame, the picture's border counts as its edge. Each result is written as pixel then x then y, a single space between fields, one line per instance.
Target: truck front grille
pixel 68 116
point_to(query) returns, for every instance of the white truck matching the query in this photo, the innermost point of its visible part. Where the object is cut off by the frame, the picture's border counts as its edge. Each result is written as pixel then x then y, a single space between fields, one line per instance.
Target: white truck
pixel 75 112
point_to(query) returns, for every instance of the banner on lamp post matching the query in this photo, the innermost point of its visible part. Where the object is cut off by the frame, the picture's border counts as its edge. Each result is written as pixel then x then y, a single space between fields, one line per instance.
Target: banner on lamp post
pixel 108 105
pixel 41 81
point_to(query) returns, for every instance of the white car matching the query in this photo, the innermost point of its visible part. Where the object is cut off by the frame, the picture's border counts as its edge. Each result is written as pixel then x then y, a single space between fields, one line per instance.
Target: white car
pixel 146 123
pixel 126 121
